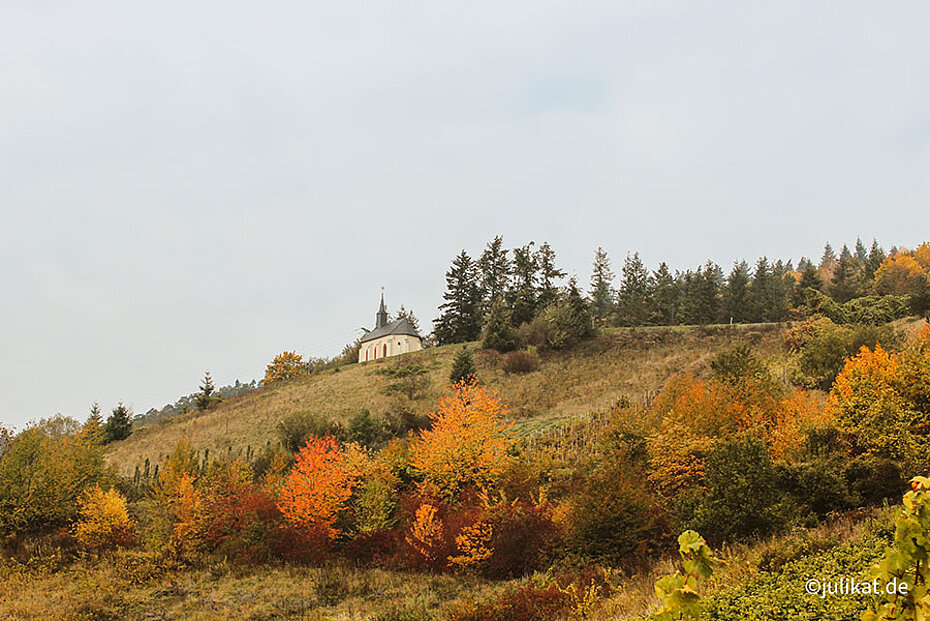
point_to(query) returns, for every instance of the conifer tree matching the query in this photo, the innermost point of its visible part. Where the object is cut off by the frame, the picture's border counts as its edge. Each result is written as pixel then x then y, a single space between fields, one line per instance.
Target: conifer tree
pixel 862 254
pixel 523 286
pixel 583 322
pixel 664 299
pixel 844 285
pixel 118 425
pixel 403 313
pixel 498 328
pixel 734 296
pixel 549 275
pixel 204 399
pixel 762 293
pixel 463 367
pixel 460 318
pixel 93 427
pixel 874 260
pixel 495 267
pixel 632 298
pixel 602 293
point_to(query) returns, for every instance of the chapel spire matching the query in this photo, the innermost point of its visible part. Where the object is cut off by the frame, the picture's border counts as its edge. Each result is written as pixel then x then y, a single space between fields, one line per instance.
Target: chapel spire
pixel 382 316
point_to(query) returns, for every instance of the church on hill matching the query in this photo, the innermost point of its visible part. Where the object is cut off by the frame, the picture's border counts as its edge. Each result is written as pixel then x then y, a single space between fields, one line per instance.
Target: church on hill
pixel 389 338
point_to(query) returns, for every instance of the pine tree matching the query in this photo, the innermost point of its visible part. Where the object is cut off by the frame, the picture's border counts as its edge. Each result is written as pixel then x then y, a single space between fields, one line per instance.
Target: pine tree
pixel 632 299
pixel 665 298
pixel 828 259
pixel 118 425
pixel 700 303
pixel 734 295
pixel 403 313
pixel 204 399
pixel 522 295
pixel 582 321
pixel 498 328
pixel 460 318
pixel 602 293
pixel 761 299
pixel 495 267
pixel 463 367
pixel 549 275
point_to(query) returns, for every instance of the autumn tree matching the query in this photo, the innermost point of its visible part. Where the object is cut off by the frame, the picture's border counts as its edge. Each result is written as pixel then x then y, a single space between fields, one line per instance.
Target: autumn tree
pixel 900 275
pixel 286 365
pixel 104 521
pixel 317 488
pixel 468 442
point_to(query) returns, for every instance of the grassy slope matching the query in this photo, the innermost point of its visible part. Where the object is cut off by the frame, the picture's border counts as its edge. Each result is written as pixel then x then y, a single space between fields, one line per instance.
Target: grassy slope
pixel 619 362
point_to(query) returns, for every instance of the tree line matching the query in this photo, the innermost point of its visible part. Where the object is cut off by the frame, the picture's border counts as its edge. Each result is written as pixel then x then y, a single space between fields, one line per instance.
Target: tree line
pixel 525 281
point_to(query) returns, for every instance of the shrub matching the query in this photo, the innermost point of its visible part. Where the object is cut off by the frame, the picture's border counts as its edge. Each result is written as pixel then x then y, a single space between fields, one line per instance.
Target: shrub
pixel 43 474
pixel 468 442
pixel 366 429
pixel 742 498
pixel 374 507
pixel 826 346
pixel 104 522
pixel 525 538
pixel 317 488
pixel 295 430
pixel 410 380
pixel 736 364
pixel 615 518
pixel 521 361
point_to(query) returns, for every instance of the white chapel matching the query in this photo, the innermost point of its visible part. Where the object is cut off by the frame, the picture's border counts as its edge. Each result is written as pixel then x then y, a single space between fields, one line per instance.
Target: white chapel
pixel 389 338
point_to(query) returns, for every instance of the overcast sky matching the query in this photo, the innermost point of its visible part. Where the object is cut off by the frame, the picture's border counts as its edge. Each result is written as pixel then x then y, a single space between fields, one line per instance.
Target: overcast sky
pixel 190 186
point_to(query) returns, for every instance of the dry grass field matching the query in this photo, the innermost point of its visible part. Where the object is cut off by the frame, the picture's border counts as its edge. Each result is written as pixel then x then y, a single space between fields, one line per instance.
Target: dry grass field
pixel 619 362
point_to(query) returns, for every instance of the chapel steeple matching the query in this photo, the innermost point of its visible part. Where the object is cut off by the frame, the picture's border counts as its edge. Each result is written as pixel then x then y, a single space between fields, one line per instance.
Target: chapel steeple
pixel 382 316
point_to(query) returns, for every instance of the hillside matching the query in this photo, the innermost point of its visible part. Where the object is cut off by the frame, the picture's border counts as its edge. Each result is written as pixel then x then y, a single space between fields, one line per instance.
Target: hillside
pixel 618 362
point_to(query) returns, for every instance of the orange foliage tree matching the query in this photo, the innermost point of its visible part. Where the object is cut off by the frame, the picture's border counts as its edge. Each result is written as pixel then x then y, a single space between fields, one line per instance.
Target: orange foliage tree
pixel 468 442
pixel 286 365
pixel 317 488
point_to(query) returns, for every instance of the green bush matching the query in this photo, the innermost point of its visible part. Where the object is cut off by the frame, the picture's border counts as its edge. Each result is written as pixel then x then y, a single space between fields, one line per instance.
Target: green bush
pixel 743 497
pixel 366 429
pixel 296 429
pixel 824 347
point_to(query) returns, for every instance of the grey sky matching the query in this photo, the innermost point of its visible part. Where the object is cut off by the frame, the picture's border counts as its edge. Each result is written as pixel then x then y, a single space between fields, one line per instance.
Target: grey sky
pixel 190 186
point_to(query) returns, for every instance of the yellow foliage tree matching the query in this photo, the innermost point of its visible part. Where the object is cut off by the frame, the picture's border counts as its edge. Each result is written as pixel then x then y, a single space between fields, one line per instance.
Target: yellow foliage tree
pixel 286 365
pixel 104 522
pixel 468 442
pixel 473 545
pixel 900 274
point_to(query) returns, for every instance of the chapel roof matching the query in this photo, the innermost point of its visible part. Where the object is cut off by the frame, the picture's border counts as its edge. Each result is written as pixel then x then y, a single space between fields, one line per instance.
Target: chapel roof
pixel 398 326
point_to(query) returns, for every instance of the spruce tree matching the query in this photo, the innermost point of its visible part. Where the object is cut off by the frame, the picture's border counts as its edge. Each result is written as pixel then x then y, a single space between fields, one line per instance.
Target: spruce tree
pixel 582 321
pixel 204 399
pixel 665 297
pixel 118 425
pixel 734 295
pixel 498 328
pixel 874 261
pixel 602 293
pixel 862 255
pixel 522 294
pixel 495 267
pixel 463 367
pixel 633 296
pixel 549 275
pixel 844 285
pixel 93 427
pixel 460 317
pixel 403 313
